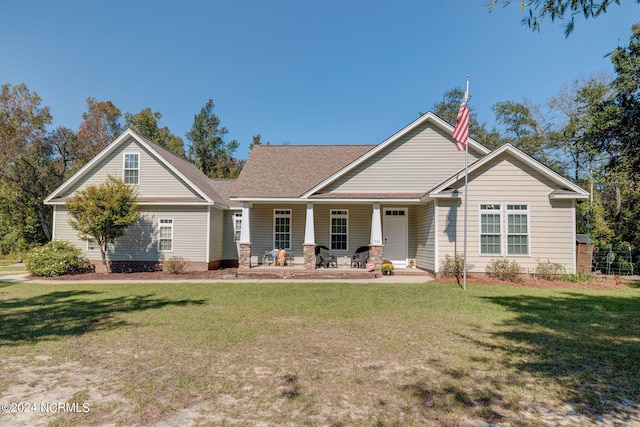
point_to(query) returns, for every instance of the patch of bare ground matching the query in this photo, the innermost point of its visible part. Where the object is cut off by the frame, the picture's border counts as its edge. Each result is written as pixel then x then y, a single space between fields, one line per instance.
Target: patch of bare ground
pixel 597 283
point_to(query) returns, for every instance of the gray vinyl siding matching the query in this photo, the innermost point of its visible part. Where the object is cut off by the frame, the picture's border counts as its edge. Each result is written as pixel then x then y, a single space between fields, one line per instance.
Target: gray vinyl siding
pixel 415 163
pixel 359 226
pixel 155 179
pixel 228 236
pixel 141 241
pixel 425 236
pixel 509 181
pixel 216 235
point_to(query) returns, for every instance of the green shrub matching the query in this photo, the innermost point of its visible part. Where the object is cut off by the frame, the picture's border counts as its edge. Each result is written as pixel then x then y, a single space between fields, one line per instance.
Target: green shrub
pixel 174 265
pixel 454 266
pixel 577 277
pixel 55 259
pixel 504 269
pixel 548 270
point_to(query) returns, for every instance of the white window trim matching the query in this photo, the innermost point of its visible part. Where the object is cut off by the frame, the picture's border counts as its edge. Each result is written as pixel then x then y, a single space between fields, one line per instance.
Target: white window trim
pixel 92 245
pixel 160 227
pixel 490 211
pixel 332 215
pixel 518 211
pixel 504 227
pixel 236 229
pixel 124 168
pixel 281 215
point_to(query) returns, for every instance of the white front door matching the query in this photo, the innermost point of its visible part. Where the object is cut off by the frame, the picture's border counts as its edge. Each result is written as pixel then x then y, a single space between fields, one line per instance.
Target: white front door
pixel 395 236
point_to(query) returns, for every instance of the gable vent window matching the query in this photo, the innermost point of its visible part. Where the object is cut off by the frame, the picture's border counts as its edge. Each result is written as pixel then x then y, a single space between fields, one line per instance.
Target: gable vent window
pixel 131 168
pixel 339 229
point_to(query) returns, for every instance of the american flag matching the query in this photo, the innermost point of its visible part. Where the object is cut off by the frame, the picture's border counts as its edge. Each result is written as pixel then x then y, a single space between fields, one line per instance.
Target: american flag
pixel 461 130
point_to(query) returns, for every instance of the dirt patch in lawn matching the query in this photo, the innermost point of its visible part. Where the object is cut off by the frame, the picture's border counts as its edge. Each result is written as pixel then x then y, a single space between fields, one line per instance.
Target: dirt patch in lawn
pixel 597 283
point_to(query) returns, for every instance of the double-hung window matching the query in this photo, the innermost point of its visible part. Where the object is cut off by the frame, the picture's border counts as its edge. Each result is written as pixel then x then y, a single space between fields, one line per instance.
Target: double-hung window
pixel 131 174
pixel 165 235
pixel 517 229
pixel 282 228
pixel 339 229
pixel 237 226
pixel 490 226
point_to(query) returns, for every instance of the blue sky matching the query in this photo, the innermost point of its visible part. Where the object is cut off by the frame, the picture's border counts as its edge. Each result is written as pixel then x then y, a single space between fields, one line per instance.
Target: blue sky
pixel 302 72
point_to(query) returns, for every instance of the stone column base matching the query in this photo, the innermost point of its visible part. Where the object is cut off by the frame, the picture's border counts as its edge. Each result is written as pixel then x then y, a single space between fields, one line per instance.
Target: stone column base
pixel 309 256
pixel 375 256
pixel 244 255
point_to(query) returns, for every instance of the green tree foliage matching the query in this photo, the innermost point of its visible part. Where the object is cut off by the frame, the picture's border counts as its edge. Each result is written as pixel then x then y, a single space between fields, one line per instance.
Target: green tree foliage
pixel 525 128
pixel 27 160
pixel 208 151
pixel 557 10
pixel 103 212
pixel 145 123
pixel 613 129
pixel 100 126
pixel 447 109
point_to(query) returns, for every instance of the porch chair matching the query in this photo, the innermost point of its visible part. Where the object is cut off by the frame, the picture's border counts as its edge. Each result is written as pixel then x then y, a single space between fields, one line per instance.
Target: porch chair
pixel 325 258
pixel 359 259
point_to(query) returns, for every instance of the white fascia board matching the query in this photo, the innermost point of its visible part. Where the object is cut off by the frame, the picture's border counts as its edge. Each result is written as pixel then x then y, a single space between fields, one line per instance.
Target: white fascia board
pixel 111 147
pixel 549 173
pixel 83 170
pixel 404 131
pixel 328 200
pixel 573 196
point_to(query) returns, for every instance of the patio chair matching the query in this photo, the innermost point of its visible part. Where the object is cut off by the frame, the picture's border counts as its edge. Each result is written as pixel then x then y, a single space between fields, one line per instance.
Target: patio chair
pixel 359 259
pixel 325 258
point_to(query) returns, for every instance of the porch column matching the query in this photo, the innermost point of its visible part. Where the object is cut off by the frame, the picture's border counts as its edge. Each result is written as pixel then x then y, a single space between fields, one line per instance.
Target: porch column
pixel 309 240
pixel 375 244
pixel 244 246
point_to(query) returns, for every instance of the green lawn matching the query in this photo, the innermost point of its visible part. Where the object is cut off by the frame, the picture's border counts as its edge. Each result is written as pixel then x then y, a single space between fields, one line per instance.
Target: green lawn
pixel 318 354
pixel 7 269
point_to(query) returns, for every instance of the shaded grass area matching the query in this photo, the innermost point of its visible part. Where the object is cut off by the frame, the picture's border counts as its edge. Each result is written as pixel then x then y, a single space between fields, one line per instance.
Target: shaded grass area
pixel 7 269
pixel 325 354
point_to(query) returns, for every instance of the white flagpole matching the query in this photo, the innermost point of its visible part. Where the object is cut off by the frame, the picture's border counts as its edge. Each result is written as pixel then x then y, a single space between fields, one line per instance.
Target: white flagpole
pixel 466 166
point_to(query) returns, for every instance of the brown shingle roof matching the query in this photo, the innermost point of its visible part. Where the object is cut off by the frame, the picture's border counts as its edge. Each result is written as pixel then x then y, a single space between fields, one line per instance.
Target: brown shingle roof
pixel 292 170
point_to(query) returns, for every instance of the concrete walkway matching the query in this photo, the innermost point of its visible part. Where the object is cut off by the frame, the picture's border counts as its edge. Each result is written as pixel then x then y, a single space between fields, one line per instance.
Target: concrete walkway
pixel 24 278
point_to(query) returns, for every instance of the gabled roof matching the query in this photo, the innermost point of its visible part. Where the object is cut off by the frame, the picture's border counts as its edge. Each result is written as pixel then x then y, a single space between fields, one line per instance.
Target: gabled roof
pixel 197 181
pixel 428 117
pixel 566 189
pixel 288 171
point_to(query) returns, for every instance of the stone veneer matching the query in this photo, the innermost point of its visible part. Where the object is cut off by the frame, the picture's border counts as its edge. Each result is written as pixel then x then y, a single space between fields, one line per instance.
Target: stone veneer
pixel 244 255
pixel 375 256
pixel 310 257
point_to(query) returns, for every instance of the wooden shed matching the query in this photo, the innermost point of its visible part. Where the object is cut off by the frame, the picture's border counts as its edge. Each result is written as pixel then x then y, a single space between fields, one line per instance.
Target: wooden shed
pixel 584 253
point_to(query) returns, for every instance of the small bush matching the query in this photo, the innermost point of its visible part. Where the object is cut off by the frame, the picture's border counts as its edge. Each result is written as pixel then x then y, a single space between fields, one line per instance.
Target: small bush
pixel 175 265
pixel 504 269
pixel 55 259
pixel 577 277
pixel 454 266
pixel 548 270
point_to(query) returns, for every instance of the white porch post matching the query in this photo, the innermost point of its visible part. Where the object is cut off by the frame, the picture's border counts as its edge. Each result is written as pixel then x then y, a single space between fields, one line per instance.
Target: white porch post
pixel 309 228
pixel 376 226
pixel 244 245
pixel 245 229
pixel 309 246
